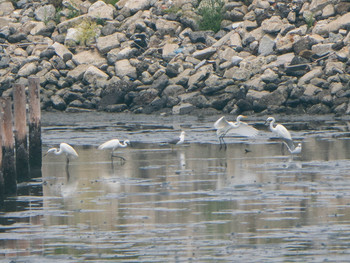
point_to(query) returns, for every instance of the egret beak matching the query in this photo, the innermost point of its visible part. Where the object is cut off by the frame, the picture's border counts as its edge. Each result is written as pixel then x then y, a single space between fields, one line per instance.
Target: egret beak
pixel 46 154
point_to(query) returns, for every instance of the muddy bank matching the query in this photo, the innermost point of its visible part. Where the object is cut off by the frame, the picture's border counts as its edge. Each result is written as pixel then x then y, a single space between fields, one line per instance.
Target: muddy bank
pixel 95 127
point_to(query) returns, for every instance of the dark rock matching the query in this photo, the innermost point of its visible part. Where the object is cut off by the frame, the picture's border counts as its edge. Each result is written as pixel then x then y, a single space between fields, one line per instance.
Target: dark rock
pixel 4 62
pixel 47 53
pixel 199 36
pixel 17 37
pixel 116 108
pixel 172 70
pixel 58 103
pixel 72 96
pixel 160 83
pixel 220 101
pixel 244 105
pixel 318 109
pixel 302 44
pixel 114 93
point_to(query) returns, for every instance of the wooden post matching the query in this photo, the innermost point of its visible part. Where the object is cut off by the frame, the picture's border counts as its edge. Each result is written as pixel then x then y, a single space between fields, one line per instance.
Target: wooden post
pixel 35 143
pixel 8 153
pixel 21 146
pixel 2 195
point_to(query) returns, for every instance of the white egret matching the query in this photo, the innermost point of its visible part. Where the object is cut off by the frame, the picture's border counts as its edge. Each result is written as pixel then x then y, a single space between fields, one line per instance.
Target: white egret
pixel 284 134
pixel 224 127
pixel 279 130
pixel 65 149
pixel 179 140
pixel 294 150
pixel 114 144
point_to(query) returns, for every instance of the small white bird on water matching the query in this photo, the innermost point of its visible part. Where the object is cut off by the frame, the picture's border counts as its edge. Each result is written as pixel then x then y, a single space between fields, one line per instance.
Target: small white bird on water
pixel 65 149
pixel 224 127
pixel 285 135
pixel 179 140
pixel 114 144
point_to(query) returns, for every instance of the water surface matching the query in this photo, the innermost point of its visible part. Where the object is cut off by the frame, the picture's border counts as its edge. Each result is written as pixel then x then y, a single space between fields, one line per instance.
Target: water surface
pixel 190 203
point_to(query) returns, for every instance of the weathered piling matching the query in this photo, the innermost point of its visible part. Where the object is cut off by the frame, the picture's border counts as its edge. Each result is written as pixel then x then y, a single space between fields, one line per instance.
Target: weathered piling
pixel 2 195
pixel 21 146
pixel 35 143
pixel 8 153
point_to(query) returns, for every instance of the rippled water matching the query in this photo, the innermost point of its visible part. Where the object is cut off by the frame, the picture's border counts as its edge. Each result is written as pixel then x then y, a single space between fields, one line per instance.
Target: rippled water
pixel 190 203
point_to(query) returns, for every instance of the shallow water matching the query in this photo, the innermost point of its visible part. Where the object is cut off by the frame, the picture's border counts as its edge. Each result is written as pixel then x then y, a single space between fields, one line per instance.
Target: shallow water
pixel 190 203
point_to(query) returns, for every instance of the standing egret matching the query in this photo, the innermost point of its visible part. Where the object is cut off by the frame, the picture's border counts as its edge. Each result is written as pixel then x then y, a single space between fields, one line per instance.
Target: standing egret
pixel 284 134
pixel 65 149
pixel 224 127
pixel 114 144
pixel 179 140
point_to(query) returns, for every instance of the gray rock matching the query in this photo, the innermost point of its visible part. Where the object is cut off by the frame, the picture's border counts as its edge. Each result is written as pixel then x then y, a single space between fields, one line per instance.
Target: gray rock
pixel 145 97
pixel 204 53
pixel 92 57
pixel 58 103
pixel 93 74
pixel 101 10
pixel 6 8
pixel 183 108
pixel 173 90
pixel 116 108
pixel 272 25
pixel 266 45
pixel 315 73
pixel 45 13
pixel 78 72
pixel 62 51
pixel 124 68
pixel 134 5
pixel 200 75
pixel 107 43
pixel 27 70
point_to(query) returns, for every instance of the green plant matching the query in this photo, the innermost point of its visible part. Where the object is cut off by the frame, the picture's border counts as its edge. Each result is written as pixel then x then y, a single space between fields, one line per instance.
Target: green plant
pixel 88 31
pixel 211 12
pixel 172 10
pixel 73 12
pixel 111 2
pixel 58 15
pixel 309 18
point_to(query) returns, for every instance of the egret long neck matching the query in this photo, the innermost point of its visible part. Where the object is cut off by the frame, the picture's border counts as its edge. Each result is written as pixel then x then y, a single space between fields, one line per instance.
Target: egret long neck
pixel 123 144
pixel 271 124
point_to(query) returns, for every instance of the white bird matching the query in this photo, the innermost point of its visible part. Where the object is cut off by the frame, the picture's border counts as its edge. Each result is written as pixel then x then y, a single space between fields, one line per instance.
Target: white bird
pixel 65 149
pixel 179 140
pixel 114 144
pixel 284 134
pixel 279 130
pixel 295 150
pixel 224 127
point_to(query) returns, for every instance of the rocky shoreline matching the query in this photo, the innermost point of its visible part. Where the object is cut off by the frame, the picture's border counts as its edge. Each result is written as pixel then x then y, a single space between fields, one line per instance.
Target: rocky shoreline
pixel 147 56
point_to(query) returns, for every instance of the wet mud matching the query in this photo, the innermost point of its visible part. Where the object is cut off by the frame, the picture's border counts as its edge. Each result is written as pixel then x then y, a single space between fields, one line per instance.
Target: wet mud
pixel 253 202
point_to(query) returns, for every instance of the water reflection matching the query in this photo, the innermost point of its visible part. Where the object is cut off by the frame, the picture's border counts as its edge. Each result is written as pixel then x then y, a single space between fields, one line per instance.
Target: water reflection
pixel 193 202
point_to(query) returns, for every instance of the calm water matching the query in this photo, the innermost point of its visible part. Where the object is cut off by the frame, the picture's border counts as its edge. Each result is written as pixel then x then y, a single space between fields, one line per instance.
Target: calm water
pixel 192 203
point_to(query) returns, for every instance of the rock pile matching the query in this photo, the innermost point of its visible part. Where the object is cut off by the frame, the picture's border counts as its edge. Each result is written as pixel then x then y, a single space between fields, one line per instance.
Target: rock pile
pixel 144 56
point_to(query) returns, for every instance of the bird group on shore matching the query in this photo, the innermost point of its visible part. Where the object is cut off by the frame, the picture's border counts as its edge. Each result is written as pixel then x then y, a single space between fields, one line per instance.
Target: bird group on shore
pixel 222 126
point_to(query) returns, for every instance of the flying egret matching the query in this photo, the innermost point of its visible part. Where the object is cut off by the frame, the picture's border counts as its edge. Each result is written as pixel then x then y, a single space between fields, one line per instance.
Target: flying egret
pixel 224 127
pixel 114 144
pixel 281 132
pixel 179 140
pixel 65 149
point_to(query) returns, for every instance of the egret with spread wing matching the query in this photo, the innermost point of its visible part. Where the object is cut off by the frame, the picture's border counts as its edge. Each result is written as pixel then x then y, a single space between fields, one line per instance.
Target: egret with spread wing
pixel 114 144
pixel 65 149
pixel 224 127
